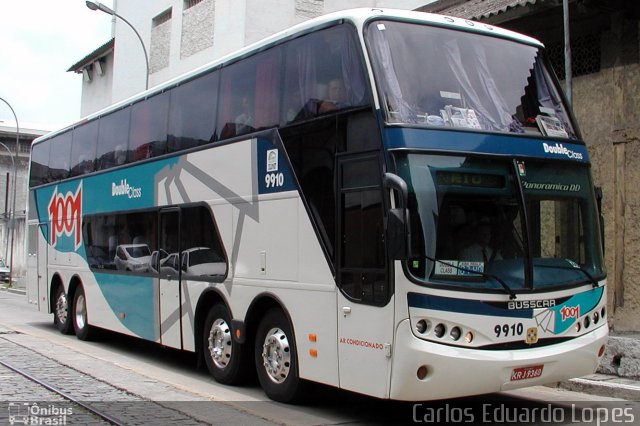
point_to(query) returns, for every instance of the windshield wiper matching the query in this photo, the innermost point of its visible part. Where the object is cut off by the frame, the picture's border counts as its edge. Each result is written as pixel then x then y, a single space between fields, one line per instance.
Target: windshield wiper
pixel 505 286
pixel 577 267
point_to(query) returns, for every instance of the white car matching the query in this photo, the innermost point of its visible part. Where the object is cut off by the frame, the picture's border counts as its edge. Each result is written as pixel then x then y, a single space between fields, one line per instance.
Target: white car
pixel 4 271
pixel 203 262
pixel 132 257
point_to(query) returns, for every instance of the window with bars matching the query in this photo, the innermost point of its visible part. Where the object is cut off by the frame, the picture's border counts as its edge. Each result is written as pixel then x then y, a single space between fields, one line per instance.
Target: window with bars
pixel 161 18
pixel 190 3
pixel 585 55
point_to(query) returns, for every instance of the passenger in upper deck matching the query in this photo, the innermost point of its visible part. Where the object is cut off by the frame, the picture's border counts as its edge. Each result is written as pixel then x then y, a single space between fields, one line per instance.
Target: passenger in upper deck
pixel 336 97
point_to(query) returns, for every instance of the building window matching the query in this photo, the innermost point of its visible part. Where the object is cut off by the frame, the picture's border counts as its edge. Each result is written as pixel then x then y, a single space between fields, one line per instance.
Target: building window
pixel 190 3
pixel 162 18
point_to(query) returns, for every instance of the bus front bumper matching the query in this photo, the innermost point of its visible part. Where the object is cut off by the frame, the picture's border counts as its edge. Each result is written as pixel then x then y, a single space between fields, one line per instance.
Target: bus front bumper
pixel 455 372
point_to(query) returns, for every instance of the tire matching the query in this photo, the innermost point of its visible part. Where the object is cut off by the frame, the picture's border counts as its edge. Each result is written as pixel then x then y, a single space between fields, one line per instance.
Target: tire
pixel 276 359
pixel 61 316
pixel 227 360
pixel 80 316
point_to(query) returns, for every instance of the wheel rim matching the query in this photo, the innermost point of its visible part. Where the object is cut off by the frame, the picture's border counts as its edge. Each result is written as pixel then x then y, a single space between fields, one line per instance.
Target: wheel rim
pixel 220 343
pixel 276 355
pixel 81 312
pixel 61 307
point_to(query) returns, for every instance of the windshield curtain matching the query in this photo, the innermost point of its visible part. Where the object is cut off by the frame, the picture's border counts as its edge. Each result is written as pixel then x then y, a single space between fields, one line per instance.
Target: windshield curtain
pixel 469 227
pixel 432 76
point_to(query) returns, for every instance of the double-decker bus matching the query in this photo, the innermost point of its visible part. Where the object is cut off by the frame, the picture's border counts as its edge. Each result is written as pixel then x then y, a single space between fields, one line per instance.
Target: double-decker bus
pixel 393 203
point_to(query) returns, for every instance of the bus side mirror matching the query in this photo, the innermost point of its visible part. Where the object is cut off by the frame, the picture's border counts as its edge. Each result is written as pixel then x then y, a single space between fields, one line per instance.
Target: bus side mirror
pixel 397 226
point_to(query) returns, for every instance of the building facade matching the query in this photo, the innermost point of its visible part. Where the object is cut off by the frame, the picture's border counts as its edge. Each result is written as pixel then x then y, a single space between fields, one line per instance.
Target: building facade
pixel 17 239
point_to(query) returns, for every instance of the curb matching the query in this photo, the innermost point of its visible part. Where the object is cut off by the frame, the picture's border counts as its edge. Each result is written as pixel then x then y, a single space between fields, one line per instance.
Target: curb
pixel 605 386
pixel 14 290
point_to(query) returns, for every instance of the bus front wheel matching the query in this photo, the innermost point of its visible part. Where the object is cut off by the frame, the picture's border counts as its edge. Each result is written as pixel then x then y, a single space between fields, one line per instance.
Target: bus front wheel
pixel 276 358
pixel 61 317
pixel 226 359
pixel 80 322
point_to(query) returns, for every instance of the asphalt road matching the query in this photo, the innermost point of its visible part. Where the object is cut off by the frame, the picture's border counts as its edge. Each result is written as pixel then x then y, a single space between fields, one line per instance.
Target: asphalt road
pixel 149 373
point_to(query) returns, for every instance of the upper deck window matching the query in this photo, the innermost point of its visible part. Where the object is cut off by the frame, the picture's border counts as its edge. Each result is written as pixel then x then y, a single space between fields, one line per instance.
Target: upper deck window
pixel 441 77
pixel 323 74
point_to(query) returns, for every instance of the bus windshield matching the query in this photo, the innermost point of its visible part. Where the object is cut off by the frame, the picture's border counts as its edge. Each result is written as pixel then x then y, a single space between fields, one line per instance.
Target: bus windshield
pixel 438 77
pixel 501 218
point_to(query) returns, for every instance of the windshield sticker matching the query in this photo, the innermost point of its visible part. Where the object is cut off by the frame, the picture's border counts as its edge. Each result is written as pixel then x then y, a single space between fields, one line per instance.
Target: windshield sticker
pixel 551 126
pixel 574 187
pixel 450 95
pixel 459 268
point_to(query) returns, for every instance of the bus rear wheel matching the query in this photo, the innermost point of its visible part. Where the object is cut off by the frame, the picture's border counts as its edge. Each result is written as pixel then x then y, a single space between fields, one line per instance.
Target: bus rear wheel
pixel 276 358
pixel 80 319
pixel 61 317
pixel 226 359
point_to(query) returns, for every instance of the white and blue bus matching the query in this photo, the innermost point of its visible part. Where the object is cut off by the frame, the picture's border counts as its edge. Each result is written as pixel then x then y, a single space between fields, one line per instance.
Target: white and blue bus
pixel 394 203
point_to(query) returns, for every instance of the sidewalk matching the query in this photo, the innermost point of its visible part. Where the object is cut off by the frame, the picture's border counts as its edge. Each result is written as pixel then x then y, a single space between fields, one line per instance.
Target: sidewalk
pixel 618 375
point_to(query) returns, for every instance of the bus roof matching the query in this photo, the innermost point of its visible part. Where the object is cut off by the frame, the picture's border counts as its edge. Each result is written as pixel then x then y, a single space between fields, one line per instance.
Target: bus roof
pixel 359 17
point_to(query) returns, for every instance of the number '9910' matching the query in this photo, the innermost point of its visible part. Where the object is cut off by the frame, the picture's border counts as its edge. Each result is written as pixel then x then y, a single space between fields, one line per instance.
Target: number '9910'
pixel 506 330
pixel 274 180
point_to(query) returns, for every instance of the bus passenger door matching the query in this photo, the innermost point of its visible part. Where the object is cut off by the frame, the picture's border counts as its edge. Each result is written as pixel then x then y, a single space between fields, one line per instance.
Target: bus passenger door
pixel 37 267
pixel 167 261
pixel 365 309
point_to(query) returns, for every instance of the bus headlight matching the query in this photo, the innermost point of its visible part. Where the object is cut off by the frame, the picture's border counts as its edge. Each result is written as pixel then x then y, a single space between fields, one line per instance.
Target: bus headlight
pixel 468 337
pixel 455 333
pixel 422 326
pixel 439 330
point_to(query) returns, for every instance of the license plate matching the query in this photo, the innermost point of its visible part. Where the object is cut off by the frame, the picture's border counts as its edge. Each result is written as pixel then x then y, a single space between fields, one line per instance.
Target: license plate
pixel 524 373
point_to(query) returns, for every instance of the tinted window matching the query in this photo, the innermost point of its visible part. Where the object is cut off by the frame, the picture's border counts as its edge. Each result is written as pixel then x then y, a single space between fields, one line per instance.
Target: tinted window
pixel 202 255
pixel 83 150
pixel 40 164
pixel 122 242
pixel 148 132
pixel 113 136
pixel 59 156
pixel 323 74
pixel 193 113
pixel 250 92
pixel 362 261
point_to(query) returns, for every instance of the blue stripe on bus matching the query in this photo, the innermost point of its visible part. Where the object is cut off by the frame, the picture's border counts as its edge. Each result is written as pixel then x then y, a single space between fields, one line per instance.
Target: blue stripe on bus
pixel 464 306
pixel 466 142
pixel 565 314
pixel 577 306
pixel 132 300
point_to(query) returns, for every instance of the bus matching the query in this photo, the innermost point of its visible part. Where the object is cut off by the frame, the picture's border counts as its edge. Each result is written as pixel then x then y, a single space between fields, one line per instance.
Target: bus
pixel 393 203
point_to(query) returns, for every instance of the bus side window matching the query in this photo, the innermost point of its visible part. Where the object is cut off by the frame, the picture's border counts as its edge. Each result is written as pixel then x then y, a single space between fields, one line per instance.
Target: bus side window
pixel 323 74
pixel 192 114
pixel 148 133
pixel 40 164
pixel 60 156
pixel 113 136
pixel 250 94
pixel 202 254
pixel 83 150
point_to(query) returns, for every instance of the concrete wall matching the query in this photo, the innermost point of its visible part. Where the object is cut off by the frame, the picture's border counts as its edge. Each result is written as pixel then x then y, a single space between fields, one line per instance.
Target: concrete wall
pixel 608 110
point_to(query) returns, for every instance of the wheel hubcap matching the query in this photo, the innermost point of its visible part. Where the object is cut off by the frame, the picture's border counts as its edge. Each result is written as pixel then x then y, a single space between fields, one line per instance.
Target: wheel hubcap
pixel 81 312
pixel 61 308
pixel 220 343
pixel 276 355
